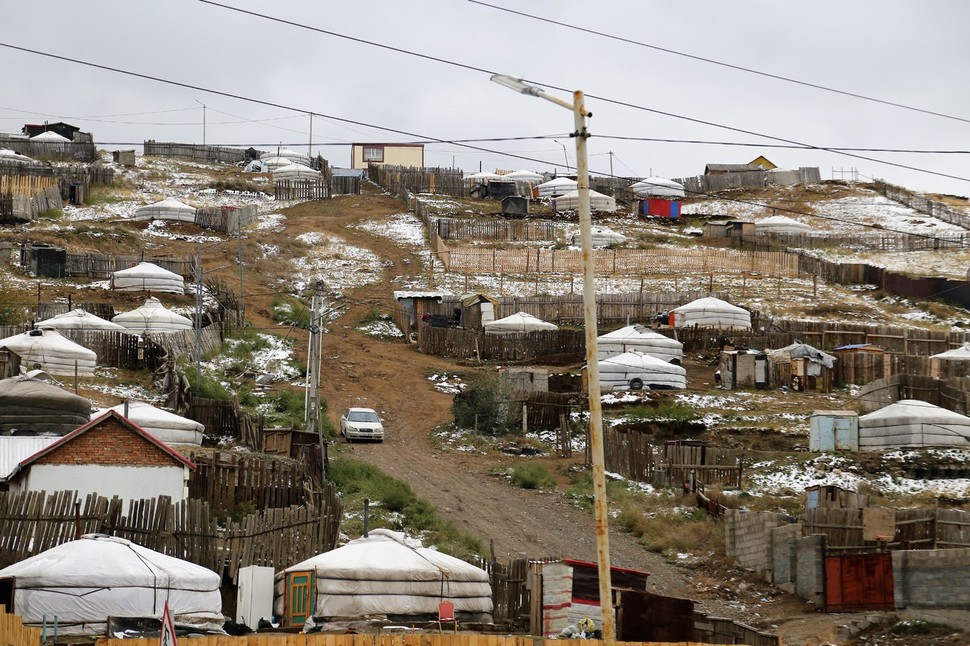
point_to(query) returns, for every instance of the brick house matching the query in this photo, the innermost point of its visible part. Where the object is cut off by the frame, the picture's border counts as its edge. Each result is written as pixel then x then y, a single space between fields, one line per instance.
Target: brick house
pixel 110 456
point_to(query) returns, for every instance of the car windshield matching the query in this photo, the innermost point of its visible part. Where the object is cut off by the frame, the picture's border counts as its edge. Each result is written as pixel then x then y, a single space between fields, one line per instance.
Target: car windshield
pixel 362 416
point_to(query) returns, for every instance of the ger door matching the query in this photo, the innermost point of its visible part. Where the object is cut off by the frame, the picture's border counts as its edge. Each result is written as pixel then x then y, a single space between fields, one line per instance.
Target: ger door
pixel 298 601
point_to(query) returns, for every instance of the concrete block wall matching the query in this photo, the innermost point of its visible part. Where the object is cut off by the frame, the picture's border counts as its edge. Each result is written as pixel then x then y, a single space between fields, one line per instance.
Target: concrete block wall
pixel 748 539
pixel 783 554
pixel 810 568
pixel 932 578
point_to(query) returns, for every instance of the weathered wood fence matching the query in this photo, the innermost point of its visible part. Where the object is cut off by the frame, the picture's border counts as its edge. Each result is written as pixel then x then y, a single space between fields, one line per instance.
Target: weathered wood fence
pixel 33 522
pixel 701 184
pixel 952 393
pixel 550 346
pixel 929 528
pixel 631 454
pixel 440 181
pixel 228 481
pixel 227 219
pixel 195 152
pixel 302 189
pixel 13 632
pixel 82 150
pixel 24 197
pixel 496 230
pixel 922 204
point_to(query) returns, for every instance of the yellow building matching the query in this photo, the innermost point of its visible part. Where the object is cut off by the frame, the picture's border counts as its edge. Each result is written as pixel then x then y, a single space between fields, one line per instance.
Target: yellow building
pixel 386 155
pixel 764 162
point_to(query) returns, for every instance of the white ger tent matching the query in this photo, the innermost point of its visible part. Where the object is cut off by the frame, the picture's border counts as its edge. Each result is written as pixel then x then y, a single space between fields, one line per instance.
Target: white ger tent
pixel 913 423
pixel 712 312
pixel 960 356
pixel 86 581
pixel 642 339
pixel 7 155
pixel 518 322
pixel 147 277
pixel 292 156
pixel 483 176
pixel 78 319
pixel 295 171
pixel 523 176
pixel 167 209
pixel 597 202
pixel 781 224
pixel 163 425
pixel 601 237
pixel 47 350
pixel 387 573
pixel 153 317
pixel 51 137
pixel 657 187
pixel 635 370
pixel 556 187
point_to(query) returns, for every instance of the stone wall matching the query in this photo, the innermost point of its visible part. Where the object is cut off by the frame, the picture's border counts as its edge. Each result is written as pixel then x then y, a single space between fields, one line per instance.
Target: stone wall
pixel 748 539
pixel 932 578
pixel 810 568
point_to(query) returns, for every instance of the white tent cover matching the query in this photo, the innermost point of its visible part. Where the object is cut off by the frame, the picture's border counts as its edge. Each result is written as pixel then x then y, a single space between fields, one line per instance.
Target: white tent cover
pixel 78 319
pixel 657 187
pixel 556 187
pixel 518 322
pixel 256 166
pixel 7 155
pixel 51 352
pixel 86 581
pixel 781 224
pixel 956 354
pixel 712 312
pixel 523 176
pixel 387 573
pixel 167 209
pixel 163 425
pixel 50 137
pixel 601 237
pixel 642 339
pixel 801 351
pixel 619 372
pixel 483 176
pixel 295 171
pixel 147 277
pixel 597 202
pixel 153 317
pixel 913 423
pixel 293 156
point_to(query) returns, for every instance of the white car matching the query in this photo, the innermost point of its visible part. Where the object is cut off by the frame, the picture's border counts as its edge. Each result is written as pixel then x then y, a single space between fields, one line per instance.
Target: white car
pixel 361 424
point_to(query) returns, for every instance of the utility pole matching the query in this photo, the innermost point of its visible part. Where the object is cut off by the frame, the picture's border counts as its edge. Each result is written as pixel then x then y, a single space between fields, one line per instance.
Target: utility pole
pixel 310 146
pixel 313 366
pixel 611 163
pixel 239 259
pixel 198 319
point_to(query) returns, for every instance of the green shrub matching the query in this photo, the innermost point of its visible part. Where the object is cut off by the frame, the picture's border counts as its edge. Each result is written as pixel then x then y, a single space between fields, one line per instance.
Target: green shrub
pixel 290 310
pixel 50 214
pixel 532 476
pixel 483 405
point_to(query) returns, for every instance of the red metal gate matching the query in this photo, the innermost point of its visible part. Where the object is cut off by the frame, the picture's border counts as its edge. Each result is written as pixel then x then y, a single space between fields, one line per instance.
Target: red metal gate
pixel 859 582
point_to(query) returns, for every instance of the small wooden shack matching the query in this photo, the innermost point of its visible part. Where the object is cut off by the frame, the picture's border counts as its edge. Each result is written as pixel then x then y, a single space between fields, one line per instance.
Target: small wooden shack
pixel 412 307
pixel 743 369
pixel 861 363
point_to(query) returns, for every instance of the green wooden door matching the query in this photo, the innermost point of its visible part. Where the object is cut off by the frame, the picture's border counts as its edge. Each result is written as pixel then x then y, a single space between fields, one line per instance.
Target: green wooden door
pixel 299 598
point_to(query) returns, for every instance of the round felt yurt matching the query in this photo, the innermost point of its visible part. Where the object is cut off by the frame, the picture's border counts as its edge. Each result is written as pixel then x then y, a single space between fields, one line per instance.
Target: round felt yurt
pixel 556 187
pixel 167 209
pixel 292 156
pixel 597 202
pixel 86 581
pixel 601 237
pixel 386 573
pixel 47 350
pixel 955 361
pixel 163 425
pixel 642 339
pixel 636 370
pixel 78 319
pixel 518 322
pixel 657 187
pixel 50 137
pixel 153 317
pixel 781 224
pixel 147 277
pixel 295 171
pixel 912 423
pixel 32 404
pixel 711 312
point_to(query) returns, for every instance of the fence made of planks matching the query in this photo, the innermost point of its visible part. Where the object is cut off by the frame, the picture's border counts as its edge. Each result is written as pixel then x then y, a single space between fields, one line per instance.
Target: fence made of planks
pixel 929 528
pixel 195 152
pixel 33 522
pixel 13 632
pixel 631 454
pixel 81 150
pixel 552 346
pixel 301 189
pixel 952 393
pixel 96 265
pixel 228 482
pixel 882 242
pixel 496 230
pixel 227 219
pixel 439 181
pixel 922 204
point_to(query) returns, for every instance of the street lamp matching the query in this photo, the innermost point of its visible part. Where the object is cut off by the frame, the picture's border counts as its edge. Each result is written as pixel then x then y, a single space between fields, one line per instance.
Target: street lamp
pixel 564 155
pixel 592 362
pixel 203 120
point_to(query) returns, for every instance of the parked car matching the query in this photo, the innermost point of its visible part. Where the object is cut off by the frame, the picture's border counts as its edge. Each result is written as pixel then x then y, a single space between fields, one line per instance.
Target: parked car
pixel 361 424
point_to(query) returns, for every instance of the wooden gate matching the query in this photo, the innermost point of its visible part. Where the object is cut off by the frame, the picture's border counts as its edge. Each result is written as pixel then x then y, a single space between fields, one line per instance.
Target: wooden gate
pixel 856 582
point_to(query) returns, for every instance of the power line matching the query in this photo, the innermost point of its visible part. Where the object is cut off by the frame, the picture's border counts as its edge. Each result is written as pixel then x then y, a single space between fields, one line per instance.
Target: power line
pixel 914 151
pixel 712 61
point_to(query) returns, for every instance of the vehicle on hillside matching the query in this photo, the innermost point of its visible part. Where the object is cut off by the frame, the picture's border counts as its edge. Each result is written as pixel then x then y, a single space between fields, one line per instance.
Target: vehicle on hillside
pixel 361 424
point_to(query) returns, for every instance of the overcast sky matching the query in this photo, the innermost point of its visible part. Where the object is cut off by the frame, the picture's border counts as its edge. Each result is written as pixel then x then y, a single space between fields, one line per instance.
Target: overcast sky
pixel 911 53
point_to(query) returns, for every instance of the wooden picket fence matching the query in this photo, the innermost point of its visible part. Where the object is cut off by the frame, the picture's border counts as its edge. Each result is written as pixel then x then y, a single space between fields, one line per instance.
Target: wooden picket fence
pixel 551 346
pixel 632 455
pixel 302 189
pixel 33 522
pixel 13 632
pixel 227 481
pixel 929 528
pixel 496 230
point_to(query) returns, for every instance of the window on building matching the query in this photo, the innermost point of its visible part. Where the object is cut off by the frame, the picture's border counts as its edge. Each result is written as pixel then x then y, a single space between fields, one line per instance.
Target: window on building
pixel 373 153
